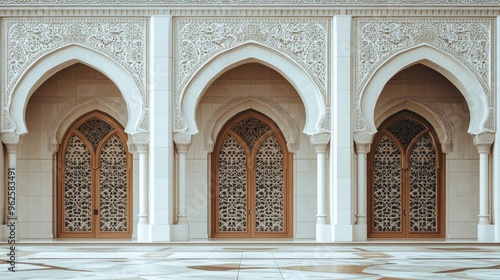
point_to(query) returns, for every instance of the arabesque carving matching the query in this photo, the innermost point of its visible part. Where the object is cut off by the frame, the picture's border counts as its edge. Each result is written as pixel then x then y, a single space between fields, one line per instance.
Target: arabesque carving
pixel 468 40
pixel 305 41
pixel 27 40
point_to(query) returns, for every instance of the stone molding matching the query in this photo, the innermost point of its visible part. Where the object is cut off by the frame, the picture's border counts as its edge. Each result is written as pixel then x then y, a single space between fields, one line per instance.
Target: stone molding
pixel 470 41
pixel 75 110
pixel 449 131
pixel 362 137
pixel 283 119
pixel 306 41
pixel 254 2
pixel 25 41
pixel 483 142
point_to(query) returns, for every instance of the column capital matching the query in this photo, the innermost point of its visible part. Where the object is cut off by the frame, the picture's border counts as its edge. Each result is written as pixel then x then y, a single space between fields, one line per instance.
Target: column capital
pixel 483 142
pixel 182 142
pixel 363 148
pixel 12 141
pixel 363 137
pixel 320 141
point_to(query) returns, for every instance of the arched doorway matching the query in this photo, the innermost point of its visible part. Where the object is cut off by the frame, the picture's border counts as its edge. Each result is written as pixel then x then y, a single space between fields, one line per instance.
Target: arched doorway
pixel 406 180
pixel 94 180
pixel 252 182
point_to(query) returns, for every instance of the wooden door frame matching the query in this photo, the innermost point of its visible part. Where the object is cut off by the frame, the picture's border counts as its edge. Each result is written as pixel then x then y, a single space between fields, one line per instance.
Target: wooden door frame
pixel 95 172
pixel 288 180
pixel 405 179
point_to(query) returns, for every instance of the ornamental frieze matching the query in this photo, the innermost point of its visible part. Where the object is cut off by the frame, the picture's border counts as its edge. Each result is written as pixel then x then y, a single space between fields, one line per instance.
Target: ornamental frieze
pixel 253 2
pixel 305 41
pixel 27 40
pixel 468 40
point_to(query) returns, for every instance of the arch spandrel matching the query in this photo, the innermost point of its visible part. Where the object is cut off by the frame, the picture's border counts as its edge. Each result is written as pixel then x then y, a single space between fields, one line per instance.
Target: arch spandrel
pixel 460 49
pixel 308 91
pixel 283 44
pixel 38 48
pixel 457 73
pixel 64 57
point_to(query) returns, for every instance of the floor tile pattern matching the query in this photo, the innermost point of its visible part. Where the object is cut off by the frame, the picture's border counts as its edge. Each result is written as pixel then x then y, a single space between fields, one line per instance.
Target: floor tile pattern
pixel 252 261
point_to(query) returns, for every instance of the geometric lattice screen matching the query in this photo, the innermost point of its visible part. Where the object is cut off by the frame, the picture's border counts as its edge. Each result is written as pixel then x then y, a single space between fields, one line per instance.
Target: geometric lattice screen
pixel 405 188
pixel 251 179
pixel 95 189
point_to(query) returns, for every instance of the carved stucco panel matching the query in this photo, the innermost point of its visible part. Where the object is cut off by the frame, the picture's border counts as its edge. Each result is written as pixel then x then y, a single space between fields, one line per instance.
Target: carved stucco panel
pixel 468 40
pixel 305 41
pixel 27 40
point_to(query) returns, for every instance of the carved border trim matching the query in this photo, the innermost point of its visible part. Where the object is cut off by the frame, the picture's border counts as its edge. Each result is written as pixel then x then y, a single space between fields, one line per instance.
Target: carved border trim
pixel 197 40
pixel 469 40
pixel 25 41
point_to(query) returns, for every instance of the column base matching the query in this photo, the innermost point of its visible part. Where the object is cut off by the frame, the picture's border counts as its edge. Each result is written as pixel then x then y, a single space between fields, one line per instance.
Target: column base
pixel 486 233
pixel 343 233
pixel 360 232
pixel 160 233
pixel 323 233
pixel 143 232
pixel 180 232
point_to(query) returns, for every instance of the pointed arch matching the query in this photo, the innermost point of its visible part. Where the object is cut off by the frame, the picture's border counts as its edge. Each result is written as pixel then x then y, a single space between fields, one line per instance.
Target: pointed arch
pixel 61 58
pixel 67 116
pixel 260 104
pixel 445 64
pixel 252 52
pixel 437 118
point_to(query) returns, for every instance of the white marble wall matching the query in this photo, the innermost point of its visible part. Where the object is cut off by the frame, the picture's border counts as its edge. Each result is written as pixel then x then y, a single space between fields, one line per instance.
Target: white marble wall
pixel 251 80
pixel 462 164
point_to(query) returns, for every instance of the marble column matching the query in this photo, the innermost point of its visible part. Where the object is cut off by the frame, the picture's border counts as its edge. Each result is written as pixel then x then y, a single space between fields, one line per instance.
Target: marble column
pixel 483 142
pixel 182 144
pixel 320 143
pixel 360 232
pixel 143 222
pixel 11 141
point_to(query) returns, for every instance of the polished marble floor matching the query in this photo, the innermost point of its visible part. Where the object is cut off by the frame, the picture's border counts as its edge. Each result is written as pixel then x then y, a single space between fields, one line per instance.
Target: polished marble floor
pixel 252 261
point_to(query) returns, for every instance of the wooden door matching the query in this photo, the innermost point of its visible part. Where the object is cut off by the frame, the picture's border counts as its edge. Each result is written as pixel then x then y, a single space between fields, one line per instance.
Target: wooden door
pixel 251 186
pixel 406 171
pixel 94 180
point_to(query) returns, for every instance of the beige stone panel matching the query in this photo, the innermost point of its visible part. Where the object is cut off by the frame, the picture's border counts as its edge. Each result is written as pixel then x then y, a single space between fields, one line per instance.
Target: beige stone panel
pixel 260 88
pixel 33 117
pixel 107 89
pixel 67 73
pixel 49 87
pixel 85 88
pixel 240 88
pixel 66 87
pixel 242 72
pixel 259 71
pixel 84 72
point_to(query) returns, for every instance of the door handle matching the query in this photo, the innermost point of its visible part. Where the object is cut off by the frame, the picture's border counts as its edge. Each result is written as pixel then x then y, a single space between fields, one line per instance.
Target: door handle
pixel 250 212
pixel 96 212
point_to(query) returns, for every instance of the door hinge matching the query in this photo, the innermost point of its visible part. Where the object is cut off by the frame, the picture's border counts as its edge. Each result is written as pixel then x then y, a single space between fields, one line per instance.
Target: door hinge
pixel 96 212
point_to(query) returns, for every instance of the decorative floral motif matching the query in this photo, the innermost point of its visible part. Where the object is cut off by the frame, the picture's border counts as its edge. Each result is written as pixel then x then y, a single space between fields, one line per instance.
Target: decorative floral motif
pixel 124 40
pixel 113 189
pixel 387 187
pixel 95 130
pixel 269 187
pixel 468 40
pixel 77 187
pixel 232 187
pixel 306 41
pixel 423 186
